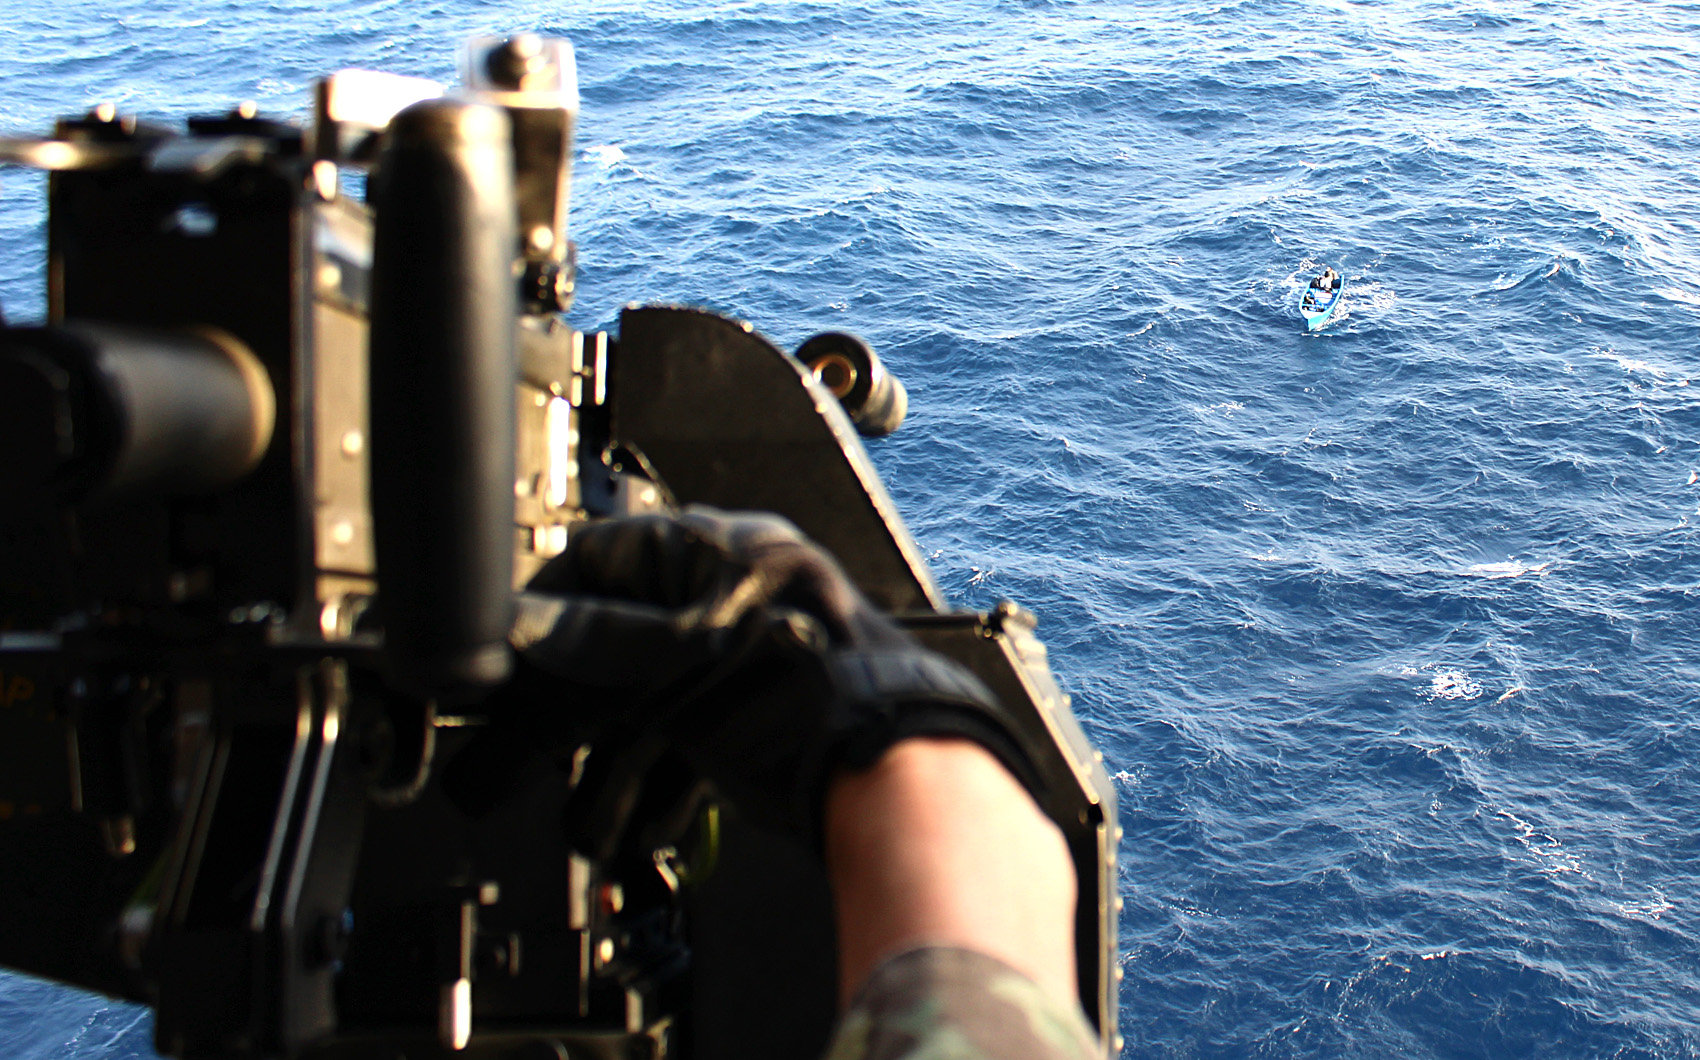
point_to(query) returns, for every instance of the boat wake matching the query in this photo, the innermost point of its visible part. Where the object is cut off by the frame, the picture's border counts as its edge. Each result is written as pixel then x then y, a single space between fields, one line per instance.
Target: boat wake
pixel 1561 266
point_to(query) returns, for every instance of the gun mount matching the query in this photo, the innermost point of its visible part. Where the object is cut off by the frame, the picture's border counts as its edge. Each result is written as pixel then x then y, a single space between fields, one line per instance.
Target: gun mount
pixel 273 469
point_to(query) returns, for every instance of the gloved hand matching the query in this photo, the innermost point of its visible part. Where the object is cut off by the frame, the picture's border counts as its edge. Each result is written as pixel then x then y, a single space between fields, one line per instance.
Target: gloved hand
pixel 746 649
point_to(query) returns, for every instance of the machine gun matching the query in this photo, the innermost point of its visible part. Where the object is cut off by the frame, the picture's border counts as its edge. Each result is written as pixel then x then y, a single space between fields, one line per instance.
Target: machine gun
pixel 270 476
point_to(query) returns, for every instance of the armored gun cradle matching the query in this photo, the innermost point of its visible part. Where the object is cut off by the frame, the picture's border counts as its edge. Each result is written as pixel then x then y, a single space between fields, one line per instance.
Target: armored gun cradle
pixel 271 476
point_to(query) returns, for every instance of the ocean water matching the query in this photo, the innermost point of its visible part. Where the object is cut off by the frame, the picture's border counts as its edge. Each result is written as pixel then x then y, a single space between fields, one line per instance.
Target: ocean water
pixel 1388 632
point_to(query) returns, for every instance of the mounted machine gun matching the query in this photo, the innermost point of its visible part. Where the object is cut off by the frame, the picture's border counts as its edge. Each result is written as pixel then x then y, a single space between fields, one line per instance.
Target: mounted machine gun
pixel 272 472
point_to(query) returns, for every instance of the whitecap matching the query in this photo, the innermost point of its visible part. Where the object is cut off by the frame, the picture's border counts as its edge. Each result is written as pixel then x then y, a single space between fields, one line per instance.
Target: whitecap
pixel 605 155
pixel 1651 909
pixel 1453 684
pixel 1226 408
pixel 1630 364
pixel 1549 853
pixel 1510 568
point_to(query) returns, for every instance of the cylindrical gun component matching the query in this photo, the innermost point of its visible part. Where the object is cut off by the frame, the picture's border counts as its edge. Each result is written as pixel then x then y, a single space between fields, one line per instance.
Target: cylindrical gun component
pixel 845 365
pixel 96 412
pixel 516 61
pixel 443 369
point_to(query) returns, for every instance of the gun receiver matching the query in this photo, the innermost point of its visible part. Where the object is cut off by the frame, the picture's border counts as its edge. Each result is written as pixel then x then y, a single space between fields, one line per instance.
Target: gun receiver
pixel 271 474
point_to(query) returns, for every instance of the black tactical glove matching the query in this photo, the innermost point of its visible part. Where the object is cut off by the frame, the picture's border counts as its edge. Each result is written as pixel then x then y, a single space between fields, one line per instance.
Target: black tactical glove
pixel 745 648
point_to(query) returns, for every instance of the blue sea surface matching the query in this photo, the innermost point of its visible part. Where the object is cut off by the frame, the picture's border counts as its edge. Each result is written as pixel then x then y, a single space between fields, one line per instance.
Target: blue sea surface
pixel 1388 632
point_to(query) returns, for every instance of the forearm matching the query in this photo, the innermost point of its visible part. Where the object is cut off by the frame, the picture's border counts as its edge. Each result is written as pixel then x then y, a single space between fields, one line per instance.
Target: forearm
pixel 938 844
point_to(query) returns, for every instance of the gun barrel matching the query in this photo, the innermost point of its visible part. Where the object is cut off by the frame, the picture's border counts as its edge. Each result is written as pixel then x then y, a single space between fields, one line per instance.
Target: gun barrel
pixel 90 409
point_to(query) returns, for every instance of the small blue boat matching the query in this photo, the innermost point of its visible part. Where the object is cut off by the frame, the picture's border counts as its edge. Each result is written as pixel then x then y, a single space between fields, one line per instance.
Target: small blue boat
pixel 1322 298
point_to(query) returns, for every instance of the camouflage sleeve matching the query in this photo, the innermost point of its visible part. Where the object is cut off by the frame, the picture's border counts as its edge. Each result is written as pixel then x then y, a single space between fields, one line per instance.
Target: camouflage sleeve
pixel 942 1003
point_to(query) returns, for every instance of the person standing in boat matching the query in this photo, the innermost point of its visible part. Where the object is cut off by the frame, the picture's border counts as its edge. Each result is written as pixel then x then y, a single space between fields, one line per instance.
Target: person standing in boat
pixel 1325 283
